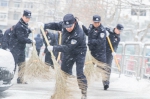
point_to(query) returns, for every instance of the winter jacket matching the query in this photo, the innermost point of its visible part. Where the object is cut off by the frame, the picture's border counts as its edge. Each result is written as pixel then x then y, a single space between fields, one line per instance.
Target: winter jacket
pixel 19 37
pixel 39 41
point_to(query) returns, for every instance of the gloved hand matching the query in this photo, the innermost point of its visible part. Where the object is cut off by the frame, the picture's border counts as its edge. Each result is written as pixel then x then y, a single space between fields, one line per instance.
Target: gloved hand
pixel 107 34
pixel 40 24
pixel 50 48
pixel 113 54
pixel 86 41
pixel 32 29
pixel 29 41
pixel 29 31
pixel 33 41
pixel 7 50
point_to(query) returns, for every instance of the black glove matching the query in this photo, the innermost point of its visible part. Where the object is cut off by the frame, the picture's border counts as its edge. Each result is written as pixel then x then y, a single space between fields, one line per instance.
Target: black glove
pixel 29 41
pixel 29 31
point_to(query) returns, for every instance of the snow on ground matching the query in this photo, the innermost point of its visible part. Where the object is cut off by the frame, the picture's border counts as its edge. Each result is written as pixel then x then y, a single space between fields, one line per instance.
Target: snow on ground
pixel 120 88
pixel 129 83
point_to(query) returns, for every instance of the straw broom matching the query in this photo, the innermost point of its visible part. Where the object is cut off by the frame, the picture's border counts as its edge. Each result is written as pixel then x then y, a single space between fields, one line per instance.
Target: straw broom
pixel 34 68
pixel 94 69
pixel 116 61
pixel 101 69
pixel 62 89
pixel 89 70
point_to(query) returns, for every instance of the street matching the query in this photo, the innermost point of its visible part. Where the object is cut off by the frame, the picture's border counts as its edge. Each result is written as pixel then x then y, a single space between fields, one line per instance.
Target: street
pixel 120 88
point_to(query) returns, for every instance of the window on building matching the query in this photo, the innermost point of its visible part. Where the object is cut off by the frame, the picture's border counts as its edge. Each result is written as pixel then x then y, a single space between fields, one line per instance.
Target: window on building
pixel 16 16
pixel 3 16
pixel 28 5
pixel 3 3
pixel 138 11
pixel 17 4
pixel 142 12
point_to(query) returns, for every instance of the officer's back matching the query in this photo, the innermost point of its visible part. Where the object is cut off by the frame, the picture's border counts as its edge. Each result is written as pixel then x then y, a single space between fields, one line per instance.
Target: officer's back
pixel 6 38
pixel 1 37
pixel 39 41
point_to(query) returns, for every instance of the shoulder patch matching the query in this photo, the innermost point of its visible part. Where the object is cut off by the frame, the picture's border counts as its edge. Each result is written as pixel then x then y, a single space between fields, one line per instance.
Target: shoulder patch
pixel 90 27
pixel 102 28
pixel 107 28
pixel 75 34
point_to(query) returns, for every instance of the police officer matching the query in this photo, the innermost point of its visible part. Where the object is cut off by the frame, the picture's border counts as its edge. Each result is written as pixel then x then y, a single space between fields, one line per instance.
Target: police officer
pixel 114 35
pixel 6 38
pixel 73 48
pixel 52 41
pixel 97 41
pixel 19 39
pixel 1 38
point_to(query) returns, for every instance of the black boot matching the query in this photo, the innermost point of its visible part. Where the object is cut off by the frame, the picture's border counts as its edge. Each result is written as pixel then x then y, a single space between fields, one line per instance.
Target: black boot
pixel 106 87
pixel 106 84
pixel 19 81
pixel 84 94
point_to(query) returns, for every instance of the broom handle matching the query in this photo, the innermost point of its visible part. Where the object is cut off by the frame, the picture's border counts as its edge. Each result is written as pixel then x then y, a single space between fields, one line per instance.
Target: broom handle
pixel 33 44
pixel 46 40
pixel 60 34
pixel 116 61
pixel 33 37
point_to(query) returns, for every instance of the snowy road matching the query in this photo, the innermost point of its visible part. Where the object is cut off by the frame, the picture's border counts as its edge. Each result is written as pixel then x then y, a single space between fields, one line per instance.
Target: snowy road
pixel 120 88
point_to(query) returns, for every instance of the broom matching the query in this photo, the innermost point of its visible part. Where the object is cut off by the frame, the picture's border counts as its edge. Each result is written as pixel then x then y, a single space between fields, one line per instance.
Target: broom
pixel 116 61
pixel 101 69
pixel 95 69
pixel 89 70
pixel 34 68
pixel 59 54
pixel 62 90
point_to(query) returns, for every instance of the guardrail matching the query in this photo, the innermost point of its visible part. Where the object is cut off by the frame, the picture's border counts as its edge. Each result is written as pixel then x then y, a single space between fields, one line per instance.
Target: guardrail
pixel 135 64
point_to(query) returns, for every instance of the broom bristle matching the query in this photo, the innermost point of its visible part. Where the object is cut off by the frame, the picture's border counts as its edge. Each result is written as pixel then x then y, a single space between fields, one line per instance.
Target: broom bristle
pixel 94 69
pixel 34 68
pixel 64 86
pixel 89 70
pixel 101 69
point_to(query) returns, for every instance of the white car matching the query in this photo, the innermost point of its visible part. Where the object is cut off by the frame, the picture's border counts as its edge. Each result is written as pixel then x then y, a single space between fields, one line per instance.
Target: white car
pixel 7 66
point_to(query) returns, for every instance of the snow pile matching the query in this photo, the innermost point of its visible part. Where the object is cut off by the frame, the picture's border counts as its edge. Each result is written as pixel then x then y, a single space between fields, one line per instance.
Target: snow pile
pixel 7 60
pixel 129 83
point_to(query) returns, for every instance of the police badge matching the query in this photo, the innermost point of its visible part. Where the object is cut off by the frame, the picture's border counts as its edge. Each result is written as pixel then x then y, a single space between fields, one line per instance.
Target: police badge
pixel 73 41
pixel 102 35
pixel 116 39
